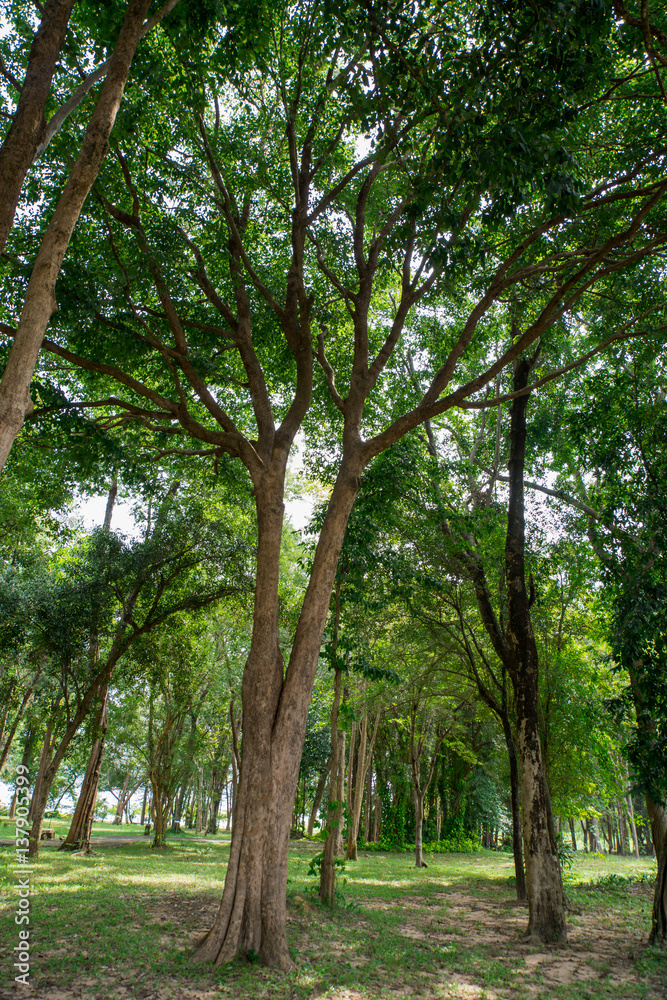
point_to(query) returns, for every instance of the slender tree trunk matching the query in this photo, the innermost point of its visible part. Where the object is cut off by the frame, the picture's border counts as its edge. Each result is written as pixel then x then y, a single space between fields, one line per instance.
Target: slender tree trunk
pixel 317 801
pixel 19 715
pixel 179 805
pixel 40 303
pixel 658 820
pixel 29 122
pixel 78 836
pixel 335 805
pixel 418 802
pixel 357 779
pixel 633 825
pixel 143 805
pixel 546 913
pixel 572 834
pixel 515 794
pixel 200 789
pixel 369 799
pixel 363 761
pixel 217 783
pixel 44 758
pixel 377 819
pixel 99 682
pixel 120 805
pixel 160 814
pixel 596 846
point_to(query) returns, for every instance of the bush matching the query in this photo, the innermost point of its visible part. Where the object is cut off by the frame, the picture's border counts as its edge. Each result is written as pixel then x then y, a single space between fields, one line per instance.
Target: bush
pixel 456 844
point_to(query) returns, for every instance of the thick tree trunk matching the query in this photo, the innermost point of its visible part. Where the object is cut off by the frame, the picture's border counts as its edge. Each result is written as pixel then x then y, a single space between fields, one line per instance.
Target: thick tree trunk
pixel 252 918
pixel 161 807
pixel 78 836
pixel 40 302
pixel 546 913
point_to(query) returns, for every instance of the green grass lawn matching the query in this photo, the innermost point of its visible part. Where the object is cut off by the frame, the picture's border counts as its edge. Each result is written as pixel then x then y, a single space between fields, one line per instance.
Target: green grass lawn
pixel 61 826
pixel 120 924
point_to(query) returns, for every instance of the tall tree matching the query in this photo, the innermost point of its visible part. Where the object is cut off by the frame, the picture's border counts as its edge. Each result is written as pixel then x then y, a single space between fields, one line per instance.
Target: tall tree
pixel 28 134
pixel 408 171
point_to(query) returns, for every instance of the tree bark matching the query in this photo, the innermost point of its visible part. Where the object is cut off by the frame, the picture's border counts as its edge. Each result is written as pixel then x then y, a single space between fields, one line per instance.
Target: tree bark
pixel 29 122
pixel 363 760
pixel 40 302
pixel 335 804
pixel 546 913
pixel 633 825
pixel 515 794
pixel 658 819
pixel 19 715
pixel 317 801
pixel 120 805
pixel 79 833
pixel 418 802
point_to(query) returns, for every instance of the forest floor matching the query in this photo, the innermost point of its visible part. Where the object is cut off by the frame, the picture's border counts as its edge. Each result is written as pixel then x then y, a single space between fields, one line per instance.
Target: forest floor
pixel 120 925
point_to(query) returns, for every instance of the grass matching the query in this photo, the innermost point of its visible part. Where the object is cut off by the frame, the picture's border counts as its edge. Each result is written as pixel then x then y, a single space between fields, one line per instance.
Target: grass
pixel 100 829
pixel 120 924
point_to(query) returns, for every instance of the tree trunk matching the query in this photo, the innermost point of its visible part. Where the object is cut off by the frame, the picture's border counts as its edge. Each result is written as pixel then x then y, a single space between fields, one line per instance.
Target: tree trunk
pixel 573 835
pixel 78 836
pixel 594 835
pixel 120 806
pixel 179 804
pixel 546 913
pixel 418 802
pixel 317 801
pixel 369 799
pixel 19 715
pixel 253 916
pixel 200 789
pixel 40 303
pixel 161 806
pixel 363 760
pixel 29 123
pixel 44 758
pixel 658 819
pixel 217 784
pixel 336 779
pixel 633 825
pixel 515 794
pixel 377 819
